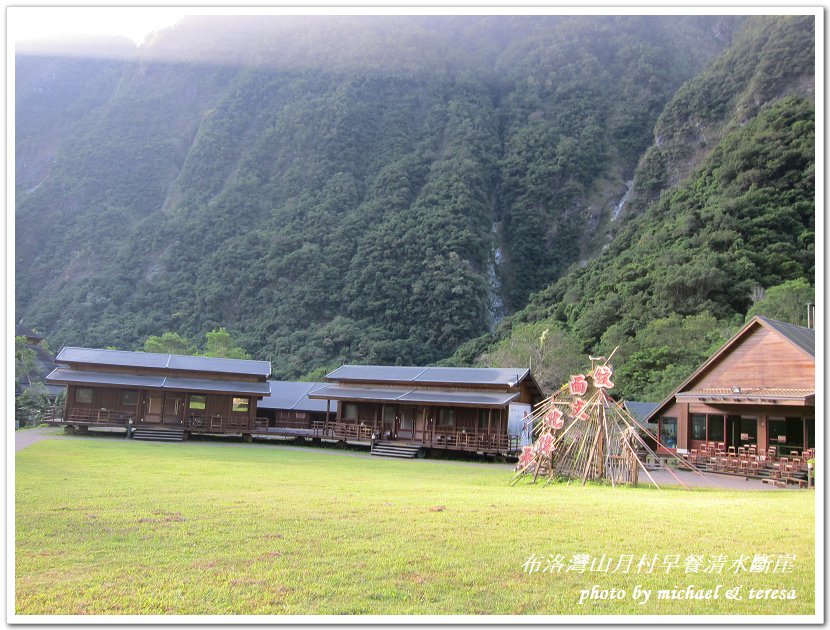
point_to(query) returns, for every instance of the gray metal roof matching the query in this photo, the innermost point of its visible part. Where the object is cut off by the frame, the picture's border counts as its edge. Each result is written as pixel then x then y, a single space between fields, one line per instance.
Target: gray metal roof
pixel 804 338
pixel 124 358
pixel 640 410
pixel 485 399
pixel 22 331
pixel 409 374
pixel 417 396
pixel 293 395
pixel 358 393
pixel 82 377
pixel 75 377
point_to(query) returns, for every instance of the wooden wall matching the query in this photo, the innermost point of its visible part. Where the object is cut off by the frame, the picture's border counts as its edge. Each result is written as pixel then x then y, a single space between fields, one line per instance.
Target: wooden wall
pixel 466 418
pixel 110 398
pixel 762 359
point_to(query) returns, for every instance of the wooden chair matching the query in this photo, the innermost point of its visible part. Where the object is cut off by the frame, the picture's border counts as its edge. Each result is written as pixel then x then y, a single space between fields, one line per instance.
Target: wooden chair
pixel 693 456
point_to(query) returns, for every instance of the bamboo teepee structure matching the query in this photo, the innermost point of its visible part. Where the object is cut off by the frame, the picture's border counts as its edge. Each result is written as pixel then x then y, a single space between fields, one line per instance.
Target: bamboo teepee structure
pixel 582 433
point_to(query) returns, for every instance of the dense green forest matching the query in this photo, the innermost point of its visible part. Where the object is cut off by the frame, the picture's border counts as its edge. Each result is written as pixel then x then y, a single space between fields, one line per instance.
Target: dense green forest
pixel 734 238
pixel 385 190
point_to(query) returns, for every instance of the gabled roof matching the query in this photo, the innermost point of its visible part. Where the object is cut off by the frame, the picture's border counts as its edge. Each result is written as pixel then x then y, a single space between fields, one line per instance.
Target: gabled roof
pixel 509 377
pixel 416 396
pixel 67 376
pixel 293 395
pixel 802 338
pixel 123 358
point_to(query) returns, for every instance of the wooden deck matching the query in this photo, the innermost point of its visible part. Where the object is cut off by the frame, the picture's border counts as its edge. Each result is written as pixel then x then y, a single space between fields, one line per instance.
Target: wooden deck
pixel 104 418
pixel 353 433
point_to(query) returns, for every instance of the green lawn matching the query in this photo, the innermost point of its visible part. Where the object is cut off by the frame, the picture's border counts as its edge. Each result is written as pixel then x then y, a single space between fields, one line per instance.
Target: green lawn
pixel 117 527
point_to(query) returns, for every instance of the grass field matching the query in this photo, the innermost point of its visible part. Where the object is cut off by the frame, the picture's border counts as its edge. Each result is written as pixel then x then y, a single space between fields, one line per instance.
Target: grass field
pixel 118 527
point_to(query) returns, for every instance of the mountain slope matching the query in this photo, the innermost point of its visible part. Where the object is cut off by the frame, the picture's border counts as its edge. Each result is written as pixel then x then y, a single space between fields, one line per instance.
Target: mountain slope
pixel 696 259
pixel 352 190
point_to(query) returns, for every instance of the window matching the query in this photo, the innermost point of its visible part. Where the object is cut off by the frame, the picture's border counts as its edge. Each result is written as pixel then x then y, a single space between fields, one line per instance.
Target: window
pixel 446 418
pixel 698 427
pixel 482 419
pixel 668 432
pixel 240 405
pixel 198 402
pixel 83 395
pixel 350 411
pixel 129 397
pixel 715 428
pixel 777 431
pixel 749 430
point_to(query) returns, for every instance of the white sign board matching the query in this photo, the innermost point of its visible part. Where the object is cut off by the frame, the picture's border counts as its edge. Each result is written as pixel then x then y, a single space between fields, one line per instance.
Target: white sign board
pixel 518 423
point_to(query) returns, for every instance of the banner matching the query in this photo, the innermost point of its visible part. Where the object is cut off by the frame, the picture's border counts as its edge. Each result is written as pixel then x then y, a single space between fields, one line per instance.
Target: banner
pixel 517 423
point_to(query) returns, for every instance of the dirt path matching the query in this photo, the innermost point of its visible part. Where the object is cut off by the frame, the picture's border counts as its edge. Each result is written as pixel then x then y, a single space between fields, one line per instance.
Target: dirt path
pixel 26 437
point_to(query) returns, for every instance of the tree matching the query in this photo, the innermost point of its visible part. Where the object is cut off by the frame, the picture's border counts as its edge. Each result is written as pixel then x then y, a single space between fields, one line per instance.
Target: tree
pixel 24 360
pixel 551 353
pixel 786 302
pixel 30 405
pixel 220 344
pixel 666 351
pixel 169 343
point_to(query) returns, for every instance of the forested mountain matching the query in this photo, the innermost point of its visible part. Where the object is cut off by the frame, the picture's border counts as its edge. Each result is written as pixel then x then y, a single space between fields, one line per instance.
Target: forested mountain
pixel 384 189
pixel 732 170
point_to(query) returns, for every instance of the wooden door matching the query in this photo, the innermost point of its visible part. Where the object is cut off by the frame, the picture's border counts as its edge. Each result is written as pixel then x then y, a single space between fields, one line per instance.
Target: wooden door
pixel 420 423
pixel 152 407
pixel 173 405
pixel 406 422
pixel 389 415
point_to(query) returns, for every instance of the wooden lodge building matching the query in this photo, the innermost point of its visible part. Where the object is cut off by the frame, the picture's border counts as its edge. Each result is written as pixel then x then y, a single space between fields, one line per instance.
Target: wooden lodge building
pixel 159 392
pixel 419 408
pixel 396 409
pixel 757 391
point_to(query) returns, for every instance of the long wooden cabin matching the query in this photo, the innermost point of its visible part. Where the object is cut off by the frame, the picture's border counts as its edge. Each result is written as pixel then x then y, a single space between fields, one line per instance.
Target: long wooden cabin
pixel 468 409
pixel 757 391
pixel 114 388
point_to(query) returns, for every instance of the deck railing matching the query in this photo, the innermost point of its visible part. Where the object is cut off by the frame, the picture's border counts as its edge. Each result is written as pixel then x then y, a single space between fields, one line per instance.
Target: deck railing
pixel 216 422
pixel 437 438
pixel 53 414
pixel 86 415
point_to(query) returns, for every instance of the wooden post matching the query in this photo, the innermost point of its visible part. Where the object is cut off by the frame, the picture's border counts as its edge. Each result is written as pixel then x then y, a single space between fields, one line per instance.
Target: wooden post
pixel 601 442
pixel 70 392
pixel 328 411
